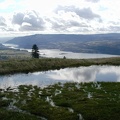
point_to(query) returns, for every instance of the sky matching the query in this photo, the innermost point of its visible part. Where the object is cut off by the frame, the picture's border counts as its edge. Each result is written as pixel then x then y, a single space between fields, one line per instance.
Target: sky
pixel 26 17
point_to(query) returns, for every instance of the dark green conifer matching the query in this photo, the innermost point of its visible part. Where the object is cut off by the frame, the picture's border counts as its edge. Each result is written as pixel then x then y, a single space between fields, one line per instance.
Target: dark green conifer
pixel 35 51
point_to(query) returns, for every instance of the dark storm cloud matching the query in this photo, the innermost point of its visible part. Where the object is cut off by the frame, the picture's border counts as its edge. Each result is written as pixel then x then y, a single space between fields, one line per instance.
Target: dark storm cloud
pixel 85 13
pixel 29 21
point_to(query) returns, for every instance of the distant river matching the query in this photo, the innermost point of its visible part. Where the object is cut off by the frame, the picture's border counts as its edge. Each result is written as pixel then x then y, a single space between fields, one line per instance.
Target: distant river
pixel 80 74
pixel 55 53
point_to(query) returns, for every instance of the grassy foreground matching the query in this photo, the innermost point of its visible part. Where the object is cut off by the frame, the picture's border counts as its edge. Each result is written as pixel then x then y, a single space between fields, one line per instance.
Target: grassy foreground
pixel 69 101
pixel 44 64
pixel 14 54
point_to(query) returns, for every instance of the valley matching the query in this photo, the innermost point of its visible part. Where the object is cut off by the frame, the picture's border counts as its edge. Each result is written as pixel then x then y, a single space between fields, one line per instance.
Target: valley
pixel 83 85
pixel 95 43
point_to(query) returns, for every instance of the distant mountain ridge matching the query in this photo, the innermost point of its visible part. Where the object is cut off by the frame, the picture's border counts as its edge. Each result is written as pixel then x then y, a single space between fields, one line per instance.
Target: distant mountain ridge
pixel 95 43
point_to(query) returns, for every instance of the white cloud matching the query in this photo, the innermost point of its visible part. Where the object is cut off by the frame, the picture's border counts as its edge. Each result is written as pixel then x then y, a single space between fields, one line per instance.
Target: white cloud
pixel 61 16
pixel 30 21
pixel 2 21
pixel 67 22
pixel 93 1
pixel 18 18
pixel 85 13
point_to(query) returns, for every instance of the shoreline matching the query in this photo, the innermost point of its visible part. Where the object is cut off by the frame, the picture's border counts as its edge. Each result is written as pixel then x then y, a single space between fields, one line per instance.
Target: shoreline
pixel 44 64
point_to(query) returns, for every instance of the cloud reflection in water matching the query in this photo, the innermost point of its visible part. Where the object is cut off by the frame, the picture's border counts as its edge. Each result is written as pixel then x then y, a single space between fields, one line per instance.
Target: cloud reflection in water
pixel 81 74
pixel 88 74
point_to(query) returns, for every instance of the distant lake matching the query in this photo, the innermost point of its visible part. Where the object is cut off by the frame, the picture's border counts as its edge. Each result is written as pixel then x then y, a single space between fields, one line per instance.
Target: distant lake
pixel 55 53
pixel 80 74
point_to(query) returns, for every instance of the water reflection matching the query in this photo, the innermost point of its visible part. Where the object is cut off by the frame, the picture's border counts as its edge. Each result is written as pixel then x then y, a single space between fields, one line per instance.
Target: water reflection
pixel 40 79
pixel 56 53
pixel 60 54
pixel 88 74
pixel 81 74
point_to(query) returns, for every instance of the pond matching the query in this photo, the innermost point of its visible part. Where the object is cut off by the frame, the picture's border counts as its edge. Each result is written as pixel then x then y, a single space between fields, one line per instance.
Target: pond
pixel 80 74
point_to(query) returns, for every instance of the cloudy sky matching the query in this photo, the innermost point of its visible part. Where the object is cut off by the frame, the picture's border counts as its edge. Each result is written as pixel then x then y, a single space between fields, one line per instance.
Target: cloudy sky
pixel 24 17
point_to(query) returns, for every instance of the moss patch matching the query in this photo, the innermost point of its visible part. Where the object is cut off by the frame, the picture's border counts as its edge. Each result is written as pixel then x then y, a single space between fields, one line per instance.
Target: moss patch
pixel 69 101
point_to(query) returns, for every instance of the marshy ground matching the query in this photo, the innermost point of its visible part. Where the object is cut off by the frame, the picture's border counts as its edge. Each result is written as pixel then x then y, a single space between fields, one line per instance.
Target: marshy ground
pixel 69 101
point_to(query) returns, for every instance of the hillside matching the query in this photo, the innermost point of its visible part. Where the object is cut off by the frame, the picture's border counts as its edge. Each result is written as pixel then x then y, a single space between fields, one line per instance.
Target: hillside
pixel 2 47
pixel 95 43
pixel 9 53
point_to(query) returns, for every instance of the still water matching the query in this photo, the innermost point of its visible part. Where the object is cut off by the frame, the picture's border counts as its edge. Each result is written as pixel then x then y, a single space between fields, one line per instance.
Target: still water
pixel 80 74
pixel 56 53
